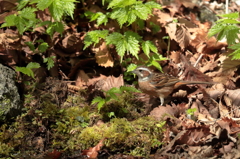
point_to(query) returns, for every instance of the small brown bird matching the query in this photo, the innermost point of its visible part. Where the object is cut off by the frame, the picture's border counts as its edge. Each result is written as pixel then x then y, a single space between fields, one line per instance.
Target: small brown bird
pixel 159 84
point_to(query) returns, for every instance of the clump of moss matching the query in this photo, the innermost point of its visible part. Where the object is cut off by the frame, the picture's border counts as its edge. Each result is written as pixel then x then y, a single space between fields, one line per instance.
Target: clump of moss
pixel 136 137
pixel 125 107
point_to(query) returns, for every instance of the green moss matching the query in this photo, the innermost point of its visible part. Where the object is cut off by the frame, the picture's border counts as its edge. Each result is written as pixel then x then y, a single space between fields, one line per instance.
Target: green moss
pixel 136 137
pixel 125 107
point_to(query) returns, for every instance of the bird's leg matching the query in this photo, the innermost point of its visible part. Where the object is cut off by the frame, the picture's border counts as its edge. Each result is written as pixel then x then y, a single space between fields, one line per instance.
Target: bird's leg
pixel 161 100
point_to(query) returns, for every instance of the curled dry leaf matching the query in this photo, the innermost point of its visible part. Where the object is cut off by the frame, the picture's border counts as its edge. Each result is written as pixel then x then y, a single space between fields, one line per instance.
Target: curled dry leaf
pixel 162 112
pixel 92 152
pixel 103 55
pixel 102 82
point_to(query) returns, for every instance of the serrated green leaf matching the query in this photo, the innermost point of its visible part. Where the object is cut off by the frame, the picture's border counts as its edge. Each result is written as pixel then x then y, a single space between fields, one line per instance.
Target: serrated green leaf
pixel 142 11
pixel 131 67
pixel 102 19
pixel 152 4
pixel 43 47
pixel 28 13
pixel 49 61
pixel 133 46
pixel 235 46
pixel 43 4
pixel 148 46
pixel 113 96
pixel 120 3
pixel 26 71
pixel 114 38
pixel 33 65
pixel 236 54
pixel 120 14
pixel 94 37
pixel 133 34
pixel 228 21
pixel 131 17
pixel 215 29
pixel 94 16
pixel 50 30
pixel 230 15
pixel 9 21
pixel 20 24
pixel 22 4
pixel 231 33
pixel 157 65
pixel 114 90
pixel 121 48
pixel 58 27
pixel 96 100
pixel 56 10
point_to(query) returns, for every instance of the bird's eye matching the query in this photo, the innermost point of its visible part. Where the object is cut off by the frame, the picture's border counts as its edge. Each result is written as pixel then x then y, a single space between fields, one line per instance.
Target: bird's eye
pixel 140 70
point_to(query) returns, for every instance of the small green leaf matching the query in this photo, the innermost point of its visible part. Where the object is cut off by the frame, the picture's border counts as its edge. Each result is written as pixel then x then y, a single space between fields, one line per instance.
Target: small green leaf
pixel 30 45
pixel 43 4
pixel 230 15
pixel 49 61
pixel 33 65
pixel 22 4
pixel 9 21
pixel 131 67
pixel 43 47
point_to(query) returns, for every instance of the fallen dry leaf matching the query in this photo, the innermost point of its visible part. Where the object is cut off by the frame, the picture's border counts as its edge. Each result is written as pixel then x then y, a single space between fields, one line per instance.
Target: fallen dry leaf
pixel 92 152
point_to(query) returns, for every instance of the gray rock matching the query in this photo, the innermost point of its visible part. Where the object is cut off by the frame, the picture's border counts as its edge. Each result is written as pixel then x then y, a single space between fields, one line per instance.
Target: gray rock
pixel 10 103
